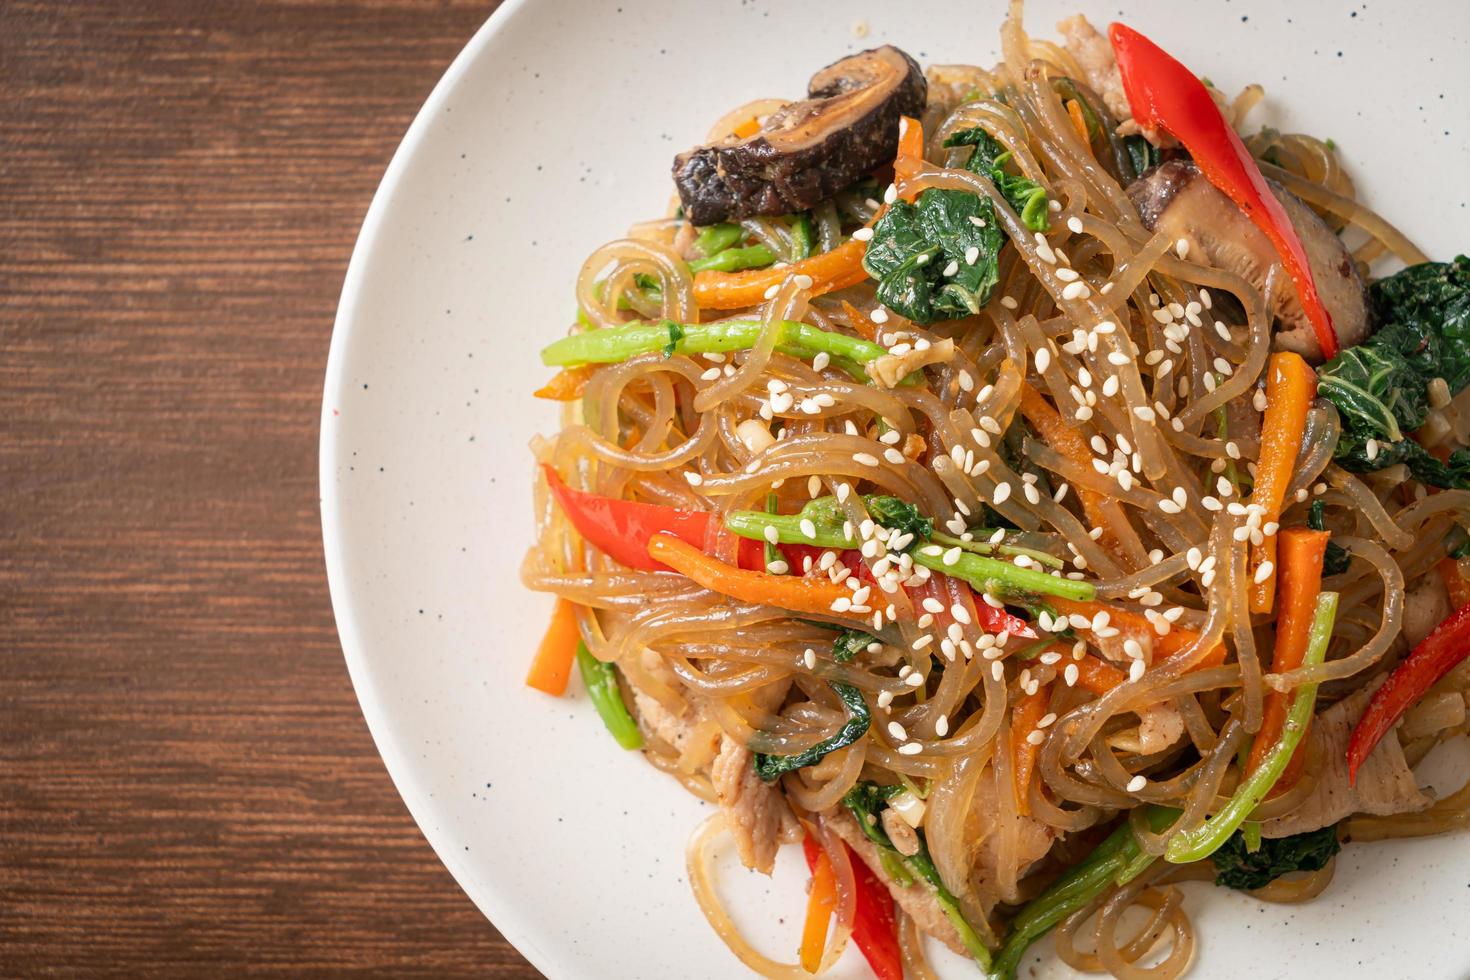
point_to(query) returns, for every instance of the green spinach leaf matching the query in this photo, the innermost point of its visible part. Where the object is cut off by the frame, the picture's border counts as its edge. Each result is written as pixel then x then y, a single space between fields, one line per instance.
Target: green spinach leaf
pixel 1237 867
pixel 896 514
pixel 850 643
pixel 935 259
pixel 1336 560
pixel 1026 197
pixel 1380 387
pixel 771 767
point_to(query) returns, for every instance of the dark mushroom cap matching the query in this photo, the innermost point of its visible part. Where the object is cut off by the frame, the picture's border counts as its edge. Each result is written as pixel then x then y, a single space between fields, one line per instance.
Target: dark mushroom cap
pixel 1174 197
pixel 806 152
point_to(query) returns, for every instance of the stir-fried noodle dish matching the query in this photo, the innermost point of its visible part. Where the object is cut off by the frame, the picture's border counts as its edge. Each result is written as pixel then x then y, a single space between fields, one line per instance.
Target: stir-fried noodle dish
pixel 1024 490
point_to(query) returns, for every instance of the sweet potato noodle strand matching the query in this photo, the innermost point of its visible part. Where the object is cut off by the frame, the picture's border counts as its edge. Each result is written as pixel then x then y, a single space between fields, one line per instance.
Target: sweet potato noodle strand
pixel 702 432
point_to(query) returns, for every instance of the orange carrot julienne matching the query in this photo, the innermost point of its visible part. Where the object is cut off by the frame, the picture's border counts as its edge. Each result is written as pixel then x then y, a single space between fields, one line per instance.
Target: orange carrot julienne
pixel 1291 384
pixel 910 156
pixel 553 662
pixel 1024 719
pixel 783 591
pixel 1299 553
pixel 1074 113
pixel 566 385
pixel 748 128
pixel 1100 510
pixel 829 271
pixel 1136 625
pixel 861 324
pixel 820 904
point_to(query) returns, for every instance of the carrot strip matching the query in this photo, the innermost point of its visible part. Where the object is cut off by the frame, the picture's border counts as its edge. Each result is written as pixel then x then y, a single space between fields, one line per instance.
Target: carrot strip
pixel 1074 113
pixel 1455 582
pixel 1098 676
pixel 1291 384
pixel 1136 625
pixel 910 156
pixel 784 591
pixel 1299 555
pixel 829 271
pixel 566 385
pixel 1099 509
pixel 864 327
pixel 1024 718
pixel 819 907
pixel 748 128
pixel 553 661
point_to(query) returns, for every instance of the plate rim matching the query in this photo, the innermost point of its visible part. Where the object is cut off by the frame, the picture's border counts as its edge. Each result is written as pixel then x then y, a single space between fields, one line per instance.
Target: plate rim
pixel 497 909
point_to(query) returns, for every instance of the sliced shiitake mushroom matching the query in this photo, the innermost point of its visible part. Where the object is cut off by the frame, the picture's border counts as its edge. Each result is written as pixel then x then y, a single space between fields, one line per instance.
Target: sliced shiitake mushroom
pixel 1176 198
pixel 806 152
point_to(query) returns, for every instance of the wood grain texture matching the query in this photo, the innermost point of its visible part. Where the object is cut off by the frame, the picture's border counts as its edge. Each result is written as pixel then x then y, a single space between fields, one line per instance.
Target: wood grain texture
pixel 187 786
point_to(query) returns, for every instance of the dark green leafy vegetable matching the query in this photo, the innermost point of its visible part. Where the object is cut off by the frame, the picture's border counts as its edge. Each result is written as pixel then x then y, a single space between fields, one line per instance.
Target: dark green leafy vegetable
pixel 850 643
pixel 1026 197
pixel 1336 560
pixel 1141 153
pixel 865 801
pixel 894 513
pixel 921 254
pixel 1237 867
pixel 676 334
pixel 772 767
pixel 1380 387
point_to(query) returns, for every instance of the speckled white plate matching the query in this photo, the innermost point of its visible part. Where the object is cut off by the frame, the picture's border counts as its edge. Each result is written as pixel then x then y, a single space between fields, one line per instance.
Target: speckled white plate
pixel 550 134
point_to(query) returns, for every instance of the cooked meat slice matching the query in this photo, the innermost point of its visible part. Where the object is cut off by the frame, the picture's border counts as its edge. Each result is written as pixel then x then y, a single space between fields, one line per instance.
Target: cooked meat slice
pixel 917 900
pixel 1385 783
pixel 1094 54
pixel 1175 198
pixel 806 152
pixel 755 812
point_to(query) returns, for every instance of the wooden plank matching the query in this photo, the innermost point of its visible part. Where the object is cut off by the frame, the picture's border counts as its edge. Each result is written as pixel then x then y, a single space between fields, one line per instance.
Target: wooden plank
pixel 186 783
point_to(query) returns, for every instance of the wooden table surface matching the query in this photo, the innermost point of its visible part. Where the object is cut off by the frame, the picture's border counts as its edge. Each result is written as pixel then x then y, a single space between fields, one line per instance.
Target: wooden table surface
pixel 187 787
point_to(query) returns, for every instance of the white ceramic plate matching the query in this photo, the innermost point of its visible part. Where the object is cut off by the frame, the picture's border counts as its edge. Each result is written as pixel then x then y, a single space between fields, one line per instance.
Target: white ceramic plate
pixel 550 134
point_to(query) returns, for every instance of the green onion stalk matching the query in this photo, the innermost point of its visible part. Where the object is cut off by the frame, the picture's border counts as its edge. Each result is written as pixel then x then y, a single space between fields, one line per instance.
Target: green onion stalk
pixel 1120 859
pixel 990 575
pixel 1116 861
pixel 1204 840
pixel 601 681
pixel 800 340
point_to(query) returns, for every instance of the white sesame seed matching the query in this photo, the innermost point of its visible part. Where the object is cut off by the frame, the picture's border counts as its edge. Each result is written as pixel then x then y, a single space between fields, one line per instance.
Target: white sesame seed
pixel 1070 675
pixel 960 613
pixel 880 315
pixel 1002 494
pixel 910 748
pixel 914 680
pixel 941 726
pixel 778 567
pixel 1074 225
pixel 1181 247
pixel 1075 290
pixel 865 459
pixel 952 556
pixel 1036 737
pixel 862 234
pixel 1264 572
pixel 1008 303
pixel 1135 670
pixel 885 698
pixel 1168 506
pixel 890 194
pixel 772 290
pixel 1223 331
pixel 1137 783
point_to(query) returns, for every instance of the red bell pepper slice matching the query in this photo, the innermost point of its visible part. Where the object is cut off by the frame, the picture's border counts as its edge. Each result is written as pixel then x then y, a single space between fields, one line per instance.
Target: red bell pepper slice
pixel 874 927
pixel 621 529
pixel 991 619
pixel 1166 95
pixel 1436 655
